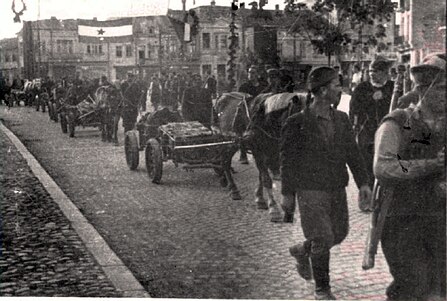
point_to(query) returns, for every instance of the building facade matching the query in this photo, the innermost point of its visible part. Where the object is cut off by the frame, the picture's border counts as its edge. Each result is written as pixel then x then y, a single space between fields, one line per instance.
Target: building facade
pixel 422 29
pixel 9 60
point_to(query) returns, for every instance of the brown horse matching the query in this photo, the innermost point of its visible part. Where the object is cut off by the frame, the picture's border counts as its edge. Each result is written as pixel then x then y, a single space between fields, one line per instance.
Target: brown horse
pixel 260 121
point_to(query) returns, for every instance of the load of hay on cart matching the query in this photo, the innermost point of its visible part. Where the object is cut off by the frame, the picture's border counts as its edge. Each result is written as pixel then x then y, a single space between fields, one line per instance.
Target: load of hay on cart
pixel 188 143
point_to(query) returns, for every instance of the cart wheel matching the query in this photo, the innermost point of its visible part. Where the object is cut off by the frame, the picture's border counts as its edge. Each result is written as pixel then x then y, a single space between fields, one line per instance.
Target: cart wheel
pixel 71 124
pixel 63 123
pixel 131 149
pixel 154 161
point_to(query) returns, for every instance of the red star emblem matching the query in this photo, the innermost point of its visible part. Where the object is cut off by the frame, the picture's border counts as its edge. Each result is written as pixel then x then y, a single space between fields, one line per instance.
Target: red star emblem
pixel 101 31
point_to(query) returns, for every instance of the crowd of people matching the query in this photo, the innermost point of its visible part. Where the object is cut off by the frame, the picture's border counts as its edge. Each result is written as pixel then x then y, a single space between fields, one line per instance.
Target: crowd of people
pixel 394 134
pixel 394 138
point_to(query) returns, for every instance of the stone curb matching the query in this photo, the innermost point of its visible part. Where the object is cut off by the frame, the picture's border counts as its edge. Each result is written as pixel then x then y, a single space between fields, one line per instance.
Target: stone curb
pixel 118 274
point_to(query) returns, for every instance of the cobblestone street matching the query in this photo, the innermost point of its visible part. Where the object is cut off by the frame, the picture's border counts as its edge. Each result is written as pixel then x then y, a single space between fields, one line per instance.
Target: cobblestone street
pixel 186 238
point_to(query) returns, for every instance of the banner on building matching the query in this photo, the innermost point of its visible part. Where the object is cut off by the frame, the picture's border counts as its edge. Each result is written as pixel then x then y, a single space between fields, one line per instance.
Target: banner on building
pixel 112 31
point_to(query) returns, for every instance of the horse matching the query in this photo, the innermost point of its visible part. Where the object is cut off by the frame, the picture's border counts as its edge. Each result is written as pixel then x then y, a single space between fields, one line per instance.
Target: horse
pixel 110 101
pixel 260 120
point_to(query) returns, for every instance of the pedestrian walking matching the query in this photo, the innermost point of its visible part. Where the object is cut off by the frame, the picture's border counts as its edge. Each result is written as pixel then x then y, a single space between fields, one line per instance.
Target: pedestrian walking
pixel 370 102
pixel 155 92
pixel 132 93
pixel 316 145
pixel 253 87
pixel 409 163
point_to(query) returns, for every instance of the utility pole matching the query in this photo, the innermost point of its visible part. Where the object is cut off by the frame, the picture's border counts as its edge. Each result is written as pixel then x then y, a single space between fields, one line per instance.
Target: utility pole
pixel 38 41
pixel 160 47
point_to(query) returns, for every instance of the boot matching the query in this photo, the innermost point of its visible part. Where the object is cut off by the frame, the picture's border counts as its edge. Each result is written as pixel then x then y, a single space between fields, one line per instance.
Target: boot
pixel 320 269
pixel 301 254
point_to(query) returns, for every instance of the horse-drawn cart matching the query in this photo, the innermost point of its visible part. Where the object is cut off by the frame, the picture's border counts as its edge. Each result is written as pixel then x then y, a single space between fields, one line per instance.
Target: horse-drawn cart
pixel 188 143
pixel 85 114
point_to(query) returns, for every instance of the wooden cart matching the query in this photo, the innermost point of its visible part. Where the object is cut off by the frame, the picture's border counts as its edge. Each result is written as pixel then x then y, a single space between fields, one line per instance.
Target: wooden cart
pixel 187 143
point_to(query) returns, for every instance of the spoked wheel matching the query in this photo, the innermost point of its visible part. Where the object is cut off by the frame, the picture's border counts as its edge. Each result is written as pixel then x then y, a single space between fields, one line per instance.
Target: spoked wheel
pixel 131 149
pixel 154 161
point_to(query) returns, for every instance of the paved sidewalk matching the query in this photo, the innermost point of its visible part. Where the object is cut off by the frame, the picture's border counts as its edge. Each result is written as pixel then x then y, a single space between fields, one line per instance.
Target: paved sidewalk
pixel 41 253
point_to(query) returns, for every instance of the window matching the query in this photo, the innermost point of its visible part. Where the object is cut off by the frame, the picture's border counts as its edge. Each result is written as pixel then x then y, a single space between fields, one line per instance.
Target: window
pixel 206 40
pixel 141 52
pixel 216 41
pixel 70 46
pixel 100 49
pixel 58 46
pixel 119 51
pixel 43 47
pixel 1 56
pixel 7 57
pixel 206 69
pixel 223 41
pixel 89 51
pixel 128 50
pixel 14 57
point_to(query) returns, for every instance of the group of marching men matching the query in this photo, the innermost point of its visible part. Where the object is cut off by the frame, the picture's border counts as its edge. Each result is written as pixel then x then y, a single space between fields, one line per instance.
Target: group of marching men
pixel 393 139
pixel 396 140
pixel 399 142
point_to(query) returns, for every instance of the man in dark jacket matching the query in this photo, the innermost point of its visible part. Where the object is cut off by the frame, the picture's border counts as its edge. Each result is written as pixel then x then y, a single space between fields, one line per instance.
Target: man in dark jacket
pixel 316 145
pixel 253 87
pixel 197 103
pixel 409 163
pixel 370 102
pixel 132 94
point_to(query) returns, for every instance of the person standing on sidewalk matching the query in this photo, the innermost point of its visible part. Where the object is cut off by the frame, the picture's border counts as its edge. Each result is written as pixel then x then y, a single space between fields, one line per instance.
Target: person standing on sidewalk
pixel 409 163
pixel 316 145
pixel 370 102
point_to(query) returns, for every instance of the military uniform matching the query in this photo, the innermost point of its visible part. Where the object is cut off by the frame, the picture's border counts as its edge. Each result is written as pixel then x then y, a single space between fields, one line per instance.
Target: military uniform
pixel 369 104
pixel 409 165
pixel 132 93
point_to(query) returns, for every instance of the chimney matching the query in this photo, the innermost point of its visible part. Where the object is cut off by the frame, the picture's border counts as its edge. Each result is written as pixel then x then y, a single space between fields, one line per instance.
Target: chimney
pixel 213 3
pixel 53 18
pixel 95 19
pixel 276 7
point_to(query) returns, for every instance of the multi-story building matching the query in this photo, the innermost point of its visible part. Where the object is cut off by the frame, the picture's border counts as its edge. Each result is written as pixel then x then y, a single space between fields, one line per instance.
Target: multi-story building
pixel 9 59
pixel 422 29
pixel 53 47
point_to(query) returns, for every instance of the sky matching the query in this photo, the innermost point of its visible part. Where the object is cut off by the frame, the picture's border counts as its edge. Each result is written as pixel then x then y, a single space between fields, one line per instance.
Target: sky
pixel 102 9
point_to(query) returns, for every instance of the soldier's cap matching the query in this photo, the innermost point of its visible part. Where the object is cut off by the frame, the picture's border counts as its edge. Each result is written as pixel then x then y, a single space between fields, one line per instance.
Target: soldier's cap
pixel 434 61
pixel 196 76
pixel 273 72
pixel 321 76
pixel 380 63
